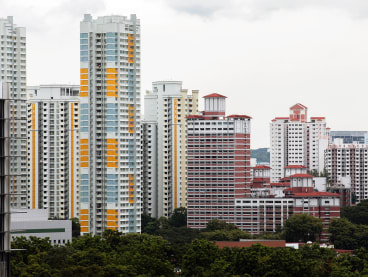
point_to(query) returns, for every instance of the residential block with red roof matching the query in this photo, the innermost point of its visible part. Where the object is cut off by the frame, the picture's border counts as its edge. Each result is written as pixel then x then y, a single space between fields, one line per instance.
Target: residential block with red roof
pixel 297 141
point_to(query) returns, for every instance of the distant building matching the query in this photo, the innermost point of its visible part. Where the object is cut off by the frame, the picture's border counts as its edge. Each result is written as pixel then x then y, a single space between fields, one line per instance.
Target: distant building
pixel 35 223
pixel 350 137
pixel 53 140
pixel 164 144
pixel 348 160
pixel 343 188
pixel 297 141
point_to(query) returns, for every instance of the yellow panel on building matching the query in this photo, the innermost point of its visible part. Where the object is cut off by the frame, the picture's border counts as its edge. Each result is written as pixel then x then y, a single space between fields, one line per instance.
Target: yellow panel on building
pixel 130 48
pixel 84 82
pixel 131 188
pixel 111 70
pixel 84 154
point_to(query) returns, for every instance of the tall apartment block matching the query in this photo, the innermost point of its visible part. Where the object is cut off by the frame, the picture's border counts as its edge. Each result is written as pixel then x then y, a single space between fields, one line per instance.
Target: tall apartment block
pixel 110 126
pixel 53 137
pixel 218 163
pixel 5 178
pixel 297 141
pixel 351 161
pixel 13 72
pixel 164 144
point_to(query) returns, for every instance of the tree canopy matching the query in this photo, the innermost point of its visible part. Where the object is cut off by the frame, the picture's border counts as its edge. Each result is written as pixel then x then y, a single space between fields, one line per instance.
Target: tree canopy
pixel 357 214
pixel 302 227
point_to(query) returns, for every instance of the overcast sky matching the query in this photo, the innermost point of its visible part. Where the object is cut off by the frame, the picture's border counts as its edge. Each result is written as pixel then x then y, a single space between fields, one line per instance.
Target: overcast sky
pixel 265 55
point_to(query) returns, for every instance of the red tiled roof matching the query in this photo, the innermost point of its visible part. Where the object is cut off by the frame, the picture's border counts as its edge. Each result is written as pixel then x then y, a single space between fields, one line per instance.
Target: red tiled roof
pixel 285 179
pixel 295 166
pixel 260 179
pixel 318 118
pixel 298 105
pixel 280 184
pixel 315 194
pixel 301 175
pixel 214 95
pixel 238 115
pixel 277 118
pixel 249 243
pixel 195 116
pixel 261 167
pixel 340 251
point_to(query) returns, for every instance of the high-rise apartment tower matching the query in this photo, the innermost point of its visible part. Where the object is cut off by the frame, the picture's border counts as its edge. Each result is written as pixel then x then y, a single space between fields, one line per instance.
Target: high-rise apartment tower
pixel 5 178
pixel 53 137
pixel 218 163
pixel 296 141
pixel 13 72
pixel 110 127
pixel 164 145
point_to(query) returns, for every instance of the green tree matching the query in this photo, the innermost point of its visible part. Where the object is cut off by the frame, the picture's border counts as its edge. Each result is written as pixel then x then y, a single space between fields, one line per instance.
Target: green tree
pixel 216 224
pixel 75 227
pixel 179 217
pixel 199 258
pixel 302 227
pixel 225 235
pixel 343 234
pixel 357 214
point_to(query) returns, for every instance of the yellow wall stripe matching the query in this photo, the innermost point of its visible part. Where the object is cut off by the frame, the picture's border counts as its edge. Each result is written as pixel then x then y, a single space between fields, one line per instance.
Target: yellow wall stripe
pixel 175 153
pixel 72 160
pixel 33 156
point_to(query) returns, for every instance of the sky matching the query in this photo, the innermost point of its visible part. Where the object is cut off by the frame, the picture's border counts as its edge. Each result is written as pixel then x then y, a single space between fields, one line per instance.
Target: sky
pixel 264 55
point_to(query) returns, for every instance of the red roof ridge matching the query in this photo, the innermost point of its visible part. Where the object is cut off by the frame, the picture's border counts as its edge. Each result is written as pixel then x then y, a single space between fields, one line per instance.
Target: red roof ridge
pixel 195 116
pixel 298 105
pixel 280 184
pixel 214 95
pixel 295 166
pixel 316 193
pixel 238 115
pixel 261 166
pixel 301 175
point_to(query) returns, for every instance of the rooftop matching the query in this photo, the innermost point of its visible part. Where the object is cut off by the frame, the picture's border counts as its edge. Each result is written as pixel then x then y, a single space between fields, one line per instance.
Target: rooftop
pixel 298 106
pixel 214 95
pixel 301 175
pixel 238 116
pixel 261 167
pixel 295 166
pixel 316 194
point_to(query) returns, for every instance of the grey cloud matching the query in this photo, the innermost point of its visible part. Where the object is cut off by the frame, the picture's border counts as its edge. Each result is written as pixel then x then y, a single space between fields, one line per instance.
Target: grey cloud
pixel 250 9
pixel 76 8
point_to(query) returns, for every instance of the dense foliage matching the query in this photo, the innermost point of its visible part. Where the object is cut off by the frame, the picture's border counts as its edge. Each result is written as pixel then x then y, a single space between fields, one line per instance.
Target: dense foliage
pixel 302 227
pixel 167 246
pixel 357 214
pixel 114 254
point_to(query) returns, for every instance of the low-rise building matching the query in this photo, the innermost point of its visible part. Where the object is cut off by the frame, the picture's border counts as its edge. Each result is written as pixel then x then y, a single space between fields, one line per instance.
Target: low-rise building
pixel 35 223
